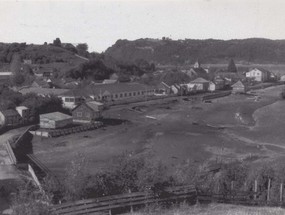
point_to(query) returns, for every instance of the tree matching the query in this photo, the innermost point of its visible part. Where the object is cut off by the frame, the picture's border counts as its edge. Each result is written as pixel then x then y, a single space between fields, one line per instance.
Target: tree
pixel 232 67
pixel 82 49
pixel 57 42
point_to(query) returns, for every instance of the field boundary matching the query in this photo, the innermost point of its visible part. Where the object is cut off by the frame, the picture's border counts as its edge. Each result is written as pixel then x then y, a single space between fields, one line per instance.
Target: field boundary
pixel 126 201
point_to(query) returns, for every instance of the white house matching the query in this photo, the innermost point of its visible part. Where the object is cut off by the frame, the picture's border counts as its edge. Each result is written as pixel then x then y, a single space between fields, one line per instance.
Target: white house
pixel 258 74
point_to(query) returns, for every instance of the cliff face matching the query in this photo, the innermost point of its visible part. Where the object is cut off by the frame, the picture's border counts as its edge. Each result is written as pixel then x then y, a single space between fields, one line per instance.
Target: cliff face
pixel 183 52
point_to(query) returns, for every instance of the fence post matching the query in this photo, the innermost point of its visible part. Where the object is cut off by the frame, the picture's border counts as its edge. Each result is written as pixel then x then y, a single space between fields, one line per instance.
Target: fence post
pixel 268 190
pixel 281 193
pixel 255 189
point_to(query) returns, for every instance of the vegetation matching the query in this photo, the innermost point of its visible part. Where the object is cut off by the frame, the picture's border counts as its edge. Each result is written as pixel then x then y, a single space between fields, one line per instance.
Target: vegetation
pixel 175 52
pixel 37 104
pixel 232 67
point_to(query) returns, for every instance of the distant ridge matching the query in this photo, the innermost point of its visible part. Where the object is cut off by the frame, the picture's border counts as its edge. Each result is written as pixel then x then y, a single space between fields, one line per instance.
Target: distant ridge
pixel 184 52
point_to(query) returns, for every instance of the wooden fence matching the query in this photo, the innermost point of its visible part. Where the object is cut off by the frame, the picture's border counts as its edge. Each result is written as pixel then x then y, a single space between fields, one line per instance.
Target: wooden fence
pixel 109 204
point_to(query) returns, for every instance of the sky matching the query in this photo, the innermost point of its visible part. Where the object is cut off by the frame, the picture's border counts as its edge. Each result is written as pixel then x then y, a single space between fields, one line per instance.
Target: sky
pixel 101 23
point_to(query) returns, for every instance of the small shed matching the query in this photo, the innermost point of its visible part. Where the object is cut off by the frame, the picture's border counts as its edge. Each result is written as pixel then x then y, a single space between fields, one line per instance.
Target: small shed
pixel 239 87
pixel 24 112
pixel 55 120
pixel 87 112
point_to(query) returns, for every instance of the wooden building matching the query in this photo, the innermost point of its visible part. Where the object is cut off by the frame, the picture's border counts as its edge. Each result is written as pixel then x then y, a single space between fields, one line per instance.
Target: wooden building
pixel 55 120
pixel 239 87
pixel 87 112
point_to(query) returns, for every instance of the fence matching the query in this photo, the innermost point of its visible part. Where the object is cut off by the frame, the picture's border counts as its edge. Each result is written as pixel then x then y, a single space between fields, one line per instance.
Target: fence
pixel 111 203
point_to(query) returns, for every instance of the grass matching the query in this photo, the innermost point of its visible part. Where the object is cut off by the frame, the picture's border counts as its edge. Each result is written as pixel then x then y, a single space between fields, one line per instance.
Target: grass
pixel 214 209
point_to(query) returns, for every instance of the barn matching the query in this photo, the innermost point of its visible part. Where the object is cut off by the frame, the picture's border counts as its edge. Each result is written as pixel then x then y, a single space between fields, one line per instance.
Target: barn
pixel 87 112
pixel 55 120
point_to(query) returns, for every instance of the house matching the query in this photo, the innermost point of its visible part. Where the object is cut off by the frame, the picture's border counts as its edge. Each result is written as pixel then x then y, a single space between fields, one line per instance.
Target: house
pixel 258 74
pixel 282 78
pixel 24 112
pixel 87 112
pixel 200 84
pixel 55 120
pixel 212 86
pixel 239 87
pixel 217 84
pixel 163 89
pixel 72 98
pixel 41 83
pixel 196 71
pixel 10 118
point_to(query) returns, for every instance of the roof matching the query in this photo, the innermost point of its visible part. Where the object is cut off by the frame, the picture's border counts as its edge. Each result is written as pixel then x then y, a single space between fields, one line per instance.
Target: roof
pixel 5 73
pixel 238 84
pixel 22 108
pixel 109 81
pixel 260 69
pixel 199 80
pixel 55 116
pixel 94 105
pixel 9 112
pixel 42 91
pixel 99 89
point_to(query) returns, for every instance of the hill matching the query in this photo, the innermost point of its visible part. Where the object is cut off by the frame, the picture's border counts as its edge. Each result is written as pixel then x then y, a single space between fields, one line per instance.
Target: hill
pixel 184 52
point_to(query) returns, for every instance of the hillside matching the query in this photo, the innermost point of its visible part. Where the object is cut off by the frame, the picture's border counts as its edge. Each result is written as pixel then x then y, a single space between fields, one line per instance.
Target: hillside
pixel 184 52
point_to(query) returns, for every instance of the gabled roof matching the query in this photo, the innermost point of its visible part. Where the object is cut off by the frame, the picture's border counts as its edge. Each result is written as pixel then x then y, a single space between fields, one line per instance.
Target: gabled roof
pixel 199 80
pixel 238 84
pixel 9 112
pixel 260 69
pixel 94 105
pixel 109 81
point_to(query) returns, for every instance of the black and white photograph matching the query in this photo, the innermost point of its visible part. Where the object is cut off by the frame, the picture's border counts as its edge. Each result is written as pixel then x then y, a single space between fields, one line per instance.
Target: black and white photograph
pixel 142 107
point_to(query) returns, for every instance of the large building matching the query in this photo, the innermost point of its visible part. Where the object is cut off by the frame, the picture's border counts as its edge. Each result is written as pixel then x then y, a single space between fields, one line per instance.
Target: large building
pixel 258 74
pixel 107 93
pixel 55 120
pixel 87 112
pixel 199 85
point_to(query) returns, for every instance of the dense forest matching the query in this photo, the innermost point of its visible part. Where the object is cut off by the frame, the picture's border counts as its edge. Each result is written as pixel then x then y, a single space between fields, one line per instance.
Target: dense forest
pixel 183 52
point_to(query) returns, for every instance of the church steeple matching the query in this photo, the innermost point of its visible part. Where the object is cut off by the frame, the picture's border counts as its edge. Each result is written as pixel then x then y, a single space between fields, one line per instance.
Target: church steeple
pixel 197 64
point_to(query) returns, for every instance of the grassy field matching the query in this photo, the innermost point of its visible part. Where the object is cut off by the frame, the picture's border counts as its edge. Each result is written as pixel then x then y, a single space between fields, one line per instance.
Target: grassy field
pixel 179 132
pixel 215 209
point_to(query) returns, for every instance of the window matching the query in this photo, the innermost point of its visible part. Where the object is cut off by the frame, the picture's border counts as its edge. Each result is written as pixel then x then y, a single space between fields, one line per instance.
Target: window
pixel 126 94
pixel 139 93
pixel 130 94
pixel 134 93
pixel 121 95
pixel 116 96
pixel 79 114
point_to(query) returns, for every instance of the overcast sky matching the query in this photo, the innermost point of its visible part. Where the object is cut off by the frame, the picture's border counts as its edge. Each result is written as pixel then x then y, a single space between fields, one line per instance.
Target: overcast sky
pixel 101 23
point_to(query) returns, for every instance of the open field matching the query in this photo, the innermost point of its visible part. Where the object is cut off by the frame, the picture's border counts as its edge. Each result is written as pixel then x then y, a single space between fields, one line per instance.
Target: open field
pixel 173 132
pixel 216 209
